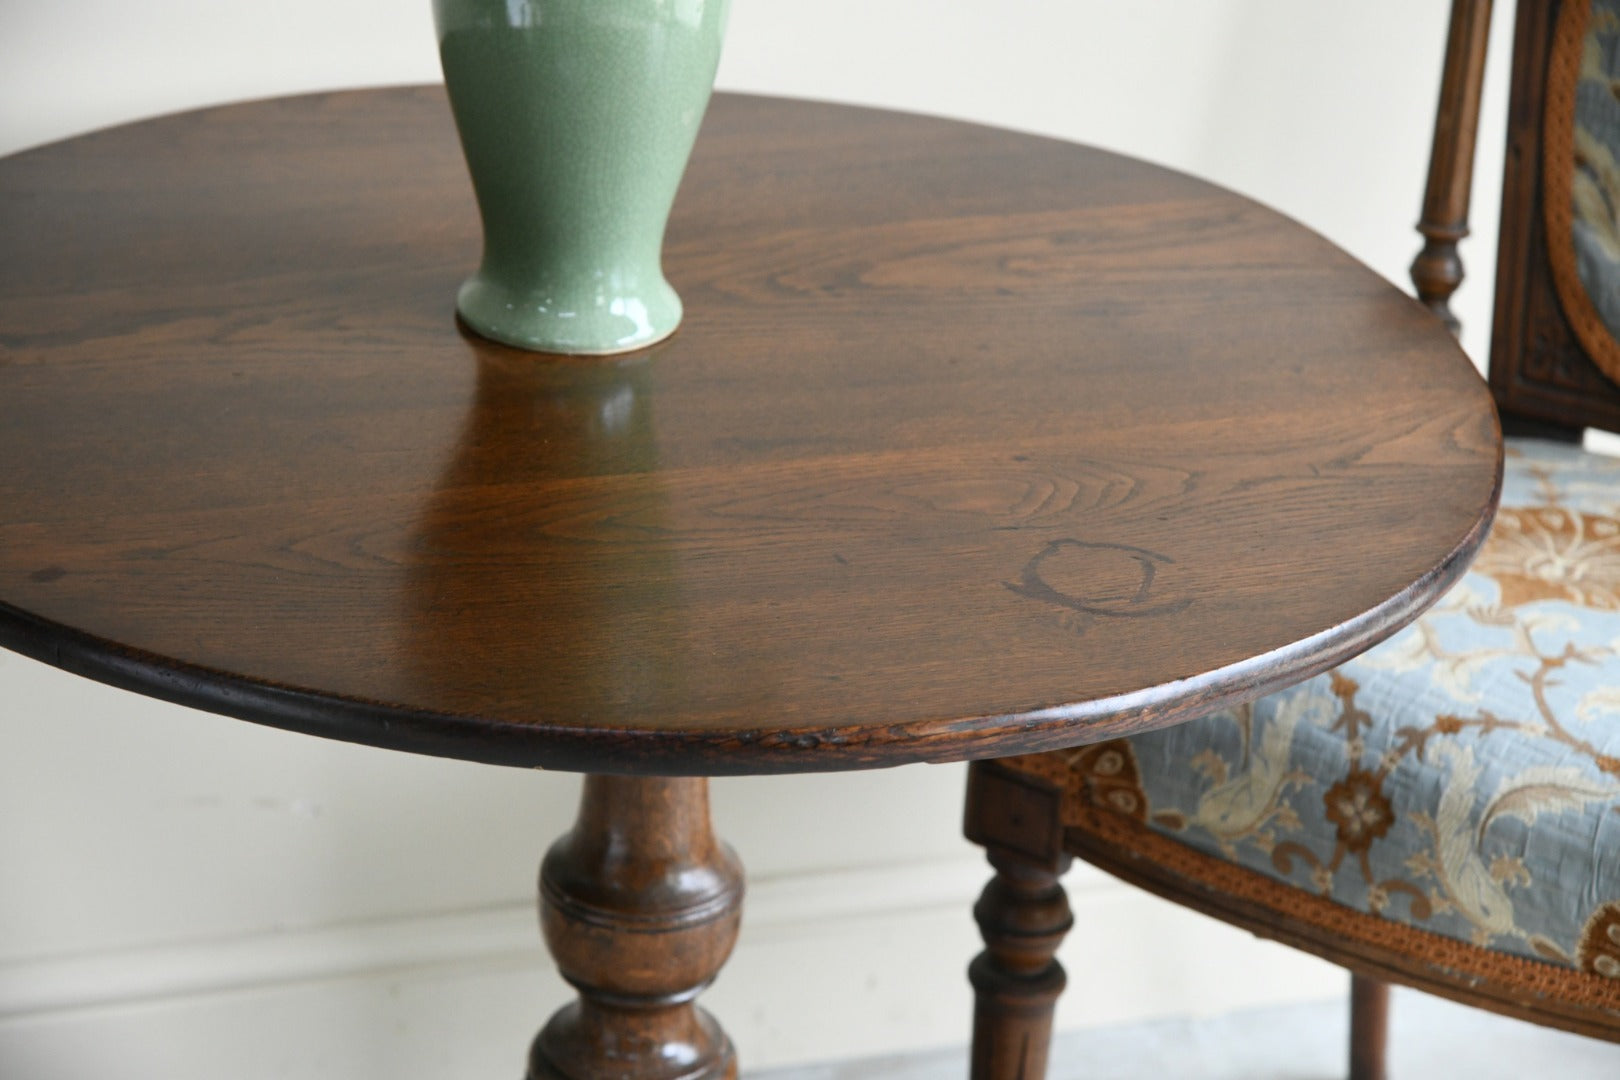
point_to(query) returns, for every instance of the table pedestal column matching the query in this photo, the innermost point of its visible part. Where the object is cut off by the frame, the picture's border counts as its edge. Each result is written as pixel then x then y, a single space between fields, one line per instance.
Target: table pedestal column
pixel 639 905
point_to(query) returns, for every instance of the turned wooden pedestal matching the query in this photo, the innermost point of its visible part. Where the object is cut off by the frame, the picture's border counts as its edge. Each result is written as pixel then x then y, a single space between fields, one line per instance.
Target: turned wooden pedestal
pixel 639 904
pixel 971 444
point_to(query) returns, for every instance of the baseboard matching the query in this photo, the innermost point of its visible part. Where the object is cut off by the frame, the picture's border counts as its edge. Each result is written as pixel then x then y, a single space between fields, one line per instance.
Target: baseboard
pixel 852 962
pixel 795 908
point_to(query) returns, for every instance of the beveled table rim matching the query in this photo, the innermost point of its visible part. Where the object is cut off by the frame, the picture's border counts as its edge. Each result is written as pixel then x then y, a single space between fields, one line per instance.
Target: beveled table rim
pixel 697 752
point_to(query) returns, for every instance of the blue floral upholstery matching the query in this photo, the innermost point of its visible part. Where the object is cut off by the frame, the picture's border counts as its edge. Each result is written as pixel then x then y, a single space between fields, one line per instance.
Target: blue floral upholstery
pixel 1463 778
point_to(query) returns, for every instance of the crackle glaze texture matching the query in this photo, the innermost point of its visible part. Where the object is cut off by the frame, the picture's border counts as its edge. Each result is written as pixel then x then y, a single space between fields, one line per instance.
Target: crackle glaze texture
pixel 577 119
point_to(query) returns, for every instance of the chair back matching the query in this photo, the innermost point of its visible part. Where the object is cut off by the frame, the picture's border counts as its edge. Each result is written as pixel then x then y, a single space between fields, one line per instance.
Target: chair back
pixel 1555 341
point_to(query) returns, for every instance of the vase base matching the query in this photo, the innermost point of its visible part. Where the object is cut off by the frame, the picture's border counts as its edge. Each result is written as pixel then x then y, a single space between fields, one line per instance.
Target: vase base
pixel 620 325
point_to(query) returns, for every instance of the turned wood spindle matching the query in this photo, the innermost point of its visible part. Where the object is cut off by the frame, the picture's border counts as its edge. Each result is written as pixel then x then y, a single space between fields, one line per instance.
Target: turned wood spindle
pixel 640 905
pixel 1438 270
pixel 1023 915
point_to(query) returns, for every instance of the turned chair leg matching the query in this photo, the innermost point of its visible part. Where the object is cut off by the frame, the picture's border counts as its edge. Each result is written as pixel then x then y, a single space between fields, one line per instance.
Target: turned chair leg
pixel 1369 1027
pixel 1023 916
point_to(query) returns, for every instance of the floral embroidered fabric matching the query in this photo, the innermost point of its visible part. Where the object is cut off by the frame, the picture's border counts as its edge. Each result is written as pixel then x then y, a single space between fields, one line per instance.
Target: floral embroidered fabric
pixel 1462 778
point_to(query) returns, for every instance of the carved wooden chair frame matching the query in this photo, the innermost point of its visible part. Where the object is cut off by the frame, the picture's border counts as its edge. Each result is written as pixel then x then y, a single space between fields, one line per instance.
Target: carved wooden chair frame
pixel 1546 383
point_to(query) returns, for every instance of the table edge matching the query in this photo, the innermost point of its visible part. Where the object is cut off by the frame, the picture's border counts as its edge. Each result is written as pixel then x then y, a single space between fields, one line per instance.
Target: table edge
pixel 855 744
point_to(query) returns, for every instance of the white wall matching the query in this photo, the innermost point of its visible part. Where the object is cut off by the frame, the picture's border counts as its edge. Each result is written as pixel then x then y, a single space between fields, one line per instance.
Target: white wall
pixel 186 896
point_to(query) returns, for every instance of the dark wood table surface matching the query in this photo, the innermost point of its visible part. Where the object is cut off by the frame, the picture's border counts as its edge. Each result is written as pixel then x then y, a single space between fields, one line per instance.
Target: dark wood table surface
pixel 972 443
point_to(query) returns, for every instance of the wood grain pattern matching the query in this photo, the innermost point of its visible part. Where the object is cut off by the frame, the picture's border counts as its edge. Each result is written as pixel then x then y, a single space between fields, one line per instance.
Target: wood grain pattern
pixel 640 905
pixel 973 443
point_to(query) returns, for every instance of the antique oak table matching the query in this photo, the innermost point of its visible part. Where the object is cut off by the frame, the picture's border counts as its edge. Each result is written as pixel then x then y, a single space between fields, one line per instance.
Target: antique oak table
pixel 972 444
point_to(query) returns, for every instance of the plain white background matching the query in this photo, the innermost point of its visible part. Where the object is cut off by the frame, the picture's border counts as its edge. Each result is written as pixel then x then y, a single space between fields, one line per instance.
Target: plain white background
pixel 179 891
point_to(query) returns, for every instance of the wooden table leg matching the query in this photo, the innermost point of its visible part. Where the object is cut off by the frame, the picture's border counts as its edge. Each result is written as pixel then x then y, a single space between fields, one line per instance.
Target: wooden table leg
pixel 639 905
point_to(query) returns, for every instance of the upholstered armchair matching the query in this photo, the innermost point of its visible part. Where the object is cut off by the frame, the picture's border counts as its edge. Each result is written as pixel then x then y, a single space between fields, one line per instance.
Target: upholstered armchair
pixel 1444 811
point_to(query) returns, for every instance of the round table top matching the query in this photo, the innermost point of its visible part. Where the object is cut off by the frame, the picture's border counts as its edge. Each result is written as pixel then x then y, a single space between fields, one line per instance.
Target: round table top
pixel 972 443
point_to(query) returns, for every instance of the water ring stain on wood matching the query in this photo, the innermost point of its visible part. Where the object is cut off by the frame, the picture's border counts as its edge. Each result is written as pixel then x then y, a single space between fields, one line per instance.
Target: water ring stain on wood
pixel 1115 581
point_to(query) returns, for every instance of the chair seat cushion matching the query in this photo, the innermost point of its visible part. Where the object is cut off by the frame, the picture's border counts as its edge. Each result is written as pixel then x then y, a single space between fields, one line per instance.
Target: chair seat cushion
pixel 1463 778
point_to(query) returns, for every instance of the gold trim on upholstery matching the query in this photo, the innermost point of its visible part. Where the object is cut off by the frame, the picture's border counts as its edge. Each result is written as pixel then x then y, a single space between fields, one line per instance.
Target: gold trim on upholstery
pixel 1101 829
pixel 1542 992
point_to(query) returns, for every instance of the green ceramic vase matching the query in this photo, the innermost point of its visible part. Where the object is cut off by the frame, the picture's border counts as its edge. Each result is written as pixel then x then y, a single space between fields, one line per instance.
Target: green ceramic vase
pixel 577 118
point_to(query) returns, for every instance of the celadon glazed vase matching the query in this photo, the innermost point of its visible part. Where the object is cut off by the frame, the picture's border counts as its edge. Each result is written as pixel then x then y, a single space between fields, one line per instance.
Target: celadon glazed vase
pixel 577 118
